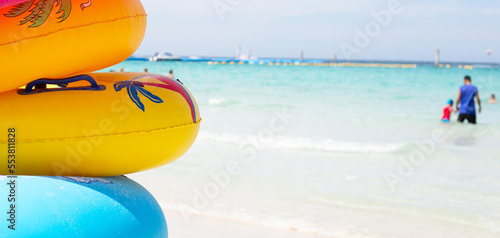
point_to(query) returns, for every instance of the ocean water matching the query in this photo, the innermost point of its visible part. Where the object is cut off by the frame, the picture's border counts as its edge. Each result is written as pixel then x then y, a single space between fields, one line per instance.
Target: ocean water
pixel 336 152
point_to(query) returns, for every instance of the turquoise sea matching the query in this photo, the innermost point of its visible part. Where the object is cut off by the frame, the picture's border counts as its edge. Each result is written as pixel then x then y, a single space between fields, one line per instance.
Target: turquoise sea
pixel 337 152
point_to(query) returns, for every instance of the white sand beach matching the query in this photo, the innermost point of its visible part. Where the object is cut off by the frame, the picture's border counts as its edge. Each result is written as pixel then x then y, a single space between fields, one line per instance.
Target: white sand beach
pixel 207 227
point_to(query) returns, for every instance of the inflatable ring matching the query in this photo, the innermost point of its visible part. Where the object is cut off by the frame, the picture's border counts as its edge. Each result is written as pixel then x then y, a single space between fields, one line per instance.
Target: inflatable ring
pixel 100 124
pixel 52 207
pixel 62 38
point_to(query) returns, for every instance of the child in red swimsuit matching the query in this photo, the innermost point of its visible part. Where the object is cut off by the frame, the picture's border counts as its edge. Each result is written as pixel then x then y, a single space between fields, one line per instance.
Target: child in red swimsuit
pixel 447 111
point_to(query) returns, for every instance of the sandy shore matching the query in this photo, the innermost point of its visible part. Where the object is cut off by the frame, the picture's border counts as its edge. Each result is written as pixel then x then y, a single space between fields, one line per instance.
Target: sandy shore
pixel 207 227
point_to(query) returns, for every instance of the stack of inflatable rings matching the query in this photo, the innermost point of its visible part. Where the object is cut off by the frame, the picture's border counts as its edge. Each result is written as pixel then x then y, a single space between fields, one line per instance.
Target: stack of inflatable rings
pixel 67 135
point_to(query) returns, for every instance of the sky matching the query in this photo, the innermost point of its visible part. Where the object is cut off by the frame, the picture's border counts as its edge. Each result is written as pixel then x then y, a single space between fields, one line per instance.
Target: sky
pixel 351 29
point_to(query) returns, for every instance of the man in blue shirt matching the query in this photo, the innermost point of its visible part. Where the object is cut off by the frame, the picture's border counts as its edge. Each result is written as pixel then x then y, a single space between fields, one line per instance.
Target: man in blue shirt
pixel 465 100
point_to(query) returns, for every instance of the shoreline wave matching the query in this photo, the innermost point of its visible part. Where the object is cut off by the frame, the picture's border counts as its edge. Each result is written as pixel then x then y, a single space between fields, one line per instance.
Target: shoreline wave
pixel 303 143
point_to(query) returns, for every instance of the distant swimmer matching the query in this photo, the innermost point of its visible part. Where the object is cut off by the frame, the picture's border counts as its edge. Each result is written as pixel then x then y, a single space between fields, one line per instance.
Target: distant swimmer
pixel 493 99
pixel 121 70
pixel 145 70
pixel 447 111
pixel 171 74
pixel 466 95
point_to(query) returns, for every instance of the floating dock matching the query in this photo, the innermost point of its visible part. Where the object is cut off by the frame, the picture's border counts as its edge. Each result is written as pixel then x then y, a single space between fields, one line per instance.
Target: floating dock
pixel 314 62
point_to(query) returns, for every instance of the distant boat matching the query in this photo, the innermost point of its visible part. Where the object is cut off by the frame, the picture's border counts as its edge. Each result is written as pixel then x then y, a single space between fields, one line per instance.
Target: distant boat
pixel 164 57
pixel 247 57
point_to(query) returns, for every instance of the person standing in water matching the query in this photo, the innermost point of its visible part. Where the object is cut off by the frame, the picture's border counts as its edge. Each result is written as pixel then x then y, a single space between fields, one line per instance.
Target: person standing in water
pixel 171 74
pixel 493 99
pixel 467 108
pixel 447 111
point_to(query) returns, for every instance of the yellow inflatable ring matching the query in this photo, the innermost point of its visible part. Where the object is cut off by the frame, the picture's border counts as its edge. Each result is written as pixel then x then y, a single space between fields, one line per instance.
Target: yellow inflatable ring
pixel 62 38
pixel 122 123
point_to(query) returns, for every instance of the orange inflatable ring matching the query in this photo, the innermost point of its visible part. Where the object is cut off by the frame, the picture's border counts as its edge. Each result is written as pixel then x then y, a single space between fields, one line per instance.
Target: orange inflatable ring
pixel 6 3
pixel 62 38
